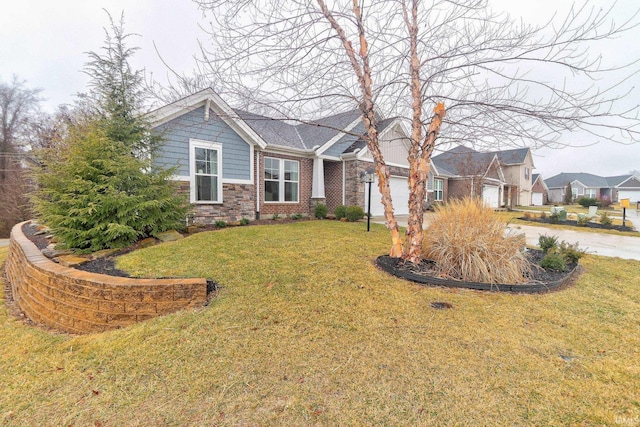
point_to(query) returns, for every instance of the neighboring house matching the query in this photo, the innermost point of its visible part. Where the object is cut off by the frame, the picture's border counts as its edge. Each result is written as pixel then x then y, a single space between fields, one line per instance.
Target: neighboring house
pixel 539 191
pixel 235 164
pixel 624 187
pixel 593 186
pixel 500 178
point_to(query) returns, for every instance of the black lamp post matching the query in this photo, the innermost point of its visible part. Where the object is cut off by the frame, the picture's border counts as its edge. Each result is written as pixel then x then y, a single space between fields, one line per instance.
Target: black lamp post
pixel 368 176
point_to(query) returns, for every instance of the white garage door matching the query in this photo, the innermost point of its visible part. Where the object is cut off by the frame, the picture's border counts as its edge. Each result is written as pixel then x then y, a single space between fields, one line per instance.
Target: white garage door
pixel 536 199
pixel 399 194
pixel 632 195
pixel 490 196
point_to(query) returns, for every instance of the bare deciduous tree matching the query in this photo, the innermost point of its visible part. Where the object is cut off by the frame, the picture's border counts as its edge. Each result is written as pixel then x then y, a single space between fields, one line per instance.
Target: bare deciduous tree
pixel 502 82
pixel 18 107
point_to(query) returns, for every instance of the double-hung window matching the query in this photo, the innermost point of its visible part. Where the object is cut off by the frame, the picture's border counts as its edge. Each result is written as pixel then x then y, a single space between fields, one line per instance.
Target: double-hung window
pixel 206 172
pixel 281 180
pixel 438 190
pixel 590 193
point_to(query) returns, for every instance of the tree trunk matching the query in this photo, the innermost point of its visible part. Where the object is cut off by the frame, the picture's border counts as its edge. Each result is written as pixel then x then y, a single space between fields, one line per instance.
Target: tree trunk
pixel 415 233
pixel 362 70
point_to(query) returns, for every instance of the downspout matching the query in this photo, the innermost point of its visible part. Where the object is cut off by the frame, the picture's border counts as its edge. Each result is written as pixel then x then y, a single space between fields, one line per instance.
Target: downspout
pixel 258 184
pixel 344 184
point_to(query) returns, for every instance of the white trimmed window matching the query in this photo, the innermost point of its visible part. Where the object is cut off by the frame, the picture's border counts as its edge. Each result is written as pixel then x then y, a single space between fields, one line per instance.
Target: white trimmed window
pixel 205 159
pixel 590 193
pixel 281 180
pixel 438 190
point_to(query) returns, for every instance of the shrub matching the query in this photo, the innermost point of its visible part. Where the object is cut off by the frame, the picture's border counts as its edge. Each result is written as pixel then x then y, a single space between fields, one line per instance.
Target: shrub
pixel 244 221
pixel 585 202
pixel 571 253
pixel 605 219
pixel 340 212
pixel 275 217
pixel 467 241
pixel 98 196
pixel 582 220
pixel 547 243
pixel 320 211
pixel 605 202
pixel 296 216
pixel 553 261
pixel 568 195
pixel 354 213
pixel 543 215
pixel 527 215
pixel 220 224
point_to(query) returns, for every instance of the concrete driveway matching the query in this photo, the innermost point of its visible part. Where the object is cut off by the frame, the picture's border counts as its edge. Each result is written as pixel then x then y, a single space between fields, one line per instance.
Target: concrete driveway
pixel 594 243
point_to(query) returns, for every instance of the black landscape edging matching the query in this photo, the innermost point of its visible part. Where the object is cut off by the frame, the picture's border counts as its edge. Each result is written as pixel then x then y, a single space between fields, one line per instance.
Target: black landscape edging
pixel 574 224
pixel 390 265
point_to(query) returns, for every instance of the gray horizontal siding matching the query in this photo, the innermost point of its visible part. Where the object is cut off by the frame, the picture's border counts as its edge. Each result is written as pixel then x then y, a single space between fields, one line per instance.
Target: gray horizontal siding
pixel 236 153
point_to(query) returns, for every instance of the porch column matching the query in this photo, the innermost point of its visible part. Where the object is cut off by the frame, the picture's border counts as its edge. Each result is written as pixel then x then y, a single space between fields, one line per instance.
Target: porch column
pixel 317 187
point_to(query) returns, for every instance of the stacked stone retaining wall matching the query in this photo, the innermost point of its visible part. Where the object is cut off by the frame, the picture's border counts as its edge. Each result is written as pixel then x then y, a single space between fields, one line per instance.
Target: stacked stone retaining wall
pixel 80 302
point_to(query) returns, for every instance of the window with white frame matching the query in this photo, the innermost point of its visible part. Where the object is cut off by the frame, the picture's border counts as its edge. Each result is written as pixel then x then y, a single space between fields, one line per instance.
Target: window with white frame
pixel 281 180
pixel 526 173
pixel 206 171
pixel 590 193
pixel 438 190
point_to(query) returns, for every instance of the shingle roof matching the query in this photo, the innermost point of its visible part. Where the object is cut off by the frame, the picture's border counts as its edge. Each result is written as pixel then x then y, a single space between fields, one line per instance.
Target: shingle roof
pixel 617 180
pixel 305 135
pixel 463 161
pixel 320 131
pixel 587 179
pixel 515 156
pixel 272 131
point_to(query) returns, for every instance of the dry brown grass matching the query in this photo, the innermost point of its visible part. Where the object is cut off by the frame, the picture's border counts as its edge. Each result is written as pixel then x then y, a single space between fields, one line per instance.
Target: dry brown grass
pixel 468 242
pixel 306 331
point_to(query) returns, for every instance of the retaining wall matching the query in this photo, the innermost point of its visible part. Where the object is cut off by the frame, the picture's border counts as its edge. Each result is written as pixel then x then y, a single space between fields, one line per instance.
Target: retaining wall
pixel 80 302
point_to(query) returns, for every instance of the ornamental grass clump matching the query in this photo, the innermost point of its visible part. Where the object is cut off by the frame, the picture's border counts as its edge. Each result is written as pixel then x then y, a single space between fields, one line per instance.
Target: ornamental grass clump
pixel 467 241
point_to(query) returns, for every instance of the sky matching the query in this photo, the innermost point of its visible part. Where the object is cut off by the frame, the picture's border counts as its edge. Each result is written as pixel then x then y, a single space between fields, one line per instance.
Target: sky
pixel 45 43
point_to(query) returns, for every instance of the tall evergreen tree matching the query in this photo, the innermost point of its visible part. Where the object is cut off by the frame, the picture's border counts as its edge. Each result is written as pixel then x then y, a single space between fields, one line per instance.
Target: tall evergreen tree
pixel 102 189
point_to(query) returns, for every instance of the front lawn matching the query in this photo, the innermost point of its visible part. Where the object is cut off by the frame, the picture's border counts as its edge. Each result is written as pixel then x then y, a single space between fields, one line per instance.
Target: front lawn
pixel 305 330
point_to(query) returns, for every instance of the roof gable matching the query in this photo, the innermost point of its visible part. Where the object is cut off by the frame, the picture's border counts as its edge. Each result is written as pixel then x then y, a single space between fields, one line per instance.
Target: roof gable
pixel 211 101
pixel 516 156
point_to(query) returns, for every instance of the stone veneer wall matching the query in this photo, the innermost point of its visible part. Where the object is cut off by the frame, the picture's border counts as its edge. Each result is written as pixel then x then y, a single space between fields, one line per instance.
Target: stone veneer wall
pixel 238 202
pixel 79 302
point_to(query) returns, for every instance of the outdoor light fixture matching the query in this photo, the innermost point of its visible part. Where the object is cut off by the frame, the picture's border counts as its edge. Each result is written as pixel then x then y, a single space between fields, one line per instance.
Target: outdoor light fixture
pixel 368 176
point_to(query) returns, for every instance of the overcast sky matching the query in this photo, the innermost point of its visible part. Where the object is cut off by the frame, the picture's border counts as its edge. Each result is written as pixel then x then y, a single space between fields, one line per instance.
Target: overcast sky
pixel 45 42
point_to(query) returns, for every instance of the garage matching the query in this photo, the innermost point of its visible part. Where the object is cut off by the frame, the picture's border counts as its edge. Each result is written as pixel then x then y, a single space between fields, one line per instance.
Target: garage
pixel 399 194
pixel 491 196
pixel 632 195
pixel 536 199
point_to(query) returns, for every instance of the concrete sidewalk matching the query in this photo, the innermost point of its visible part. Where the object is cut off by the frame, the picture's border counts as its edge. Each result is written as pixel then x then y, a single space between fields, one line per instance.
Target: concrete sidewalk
pixel 594 243
pixel 4 243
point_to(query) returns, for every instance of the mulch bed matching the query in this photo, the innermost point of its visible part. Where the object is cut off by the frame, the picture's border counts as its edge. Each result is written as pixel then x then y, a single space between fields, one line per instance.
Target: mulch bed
pixel 425 273
pixel 573 223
